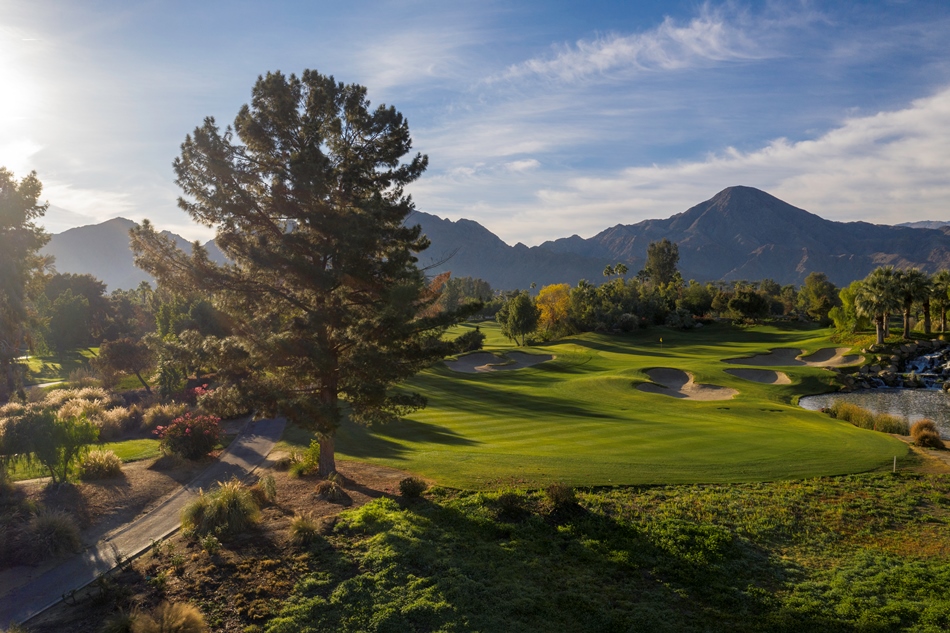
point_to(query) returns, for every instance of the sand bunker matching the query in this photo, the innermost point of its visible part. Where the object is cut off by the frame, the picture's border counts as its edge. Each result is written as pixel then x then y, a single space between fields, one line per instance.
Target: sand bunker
pixel 484 361
pixel 679 384
pixel 766 376
pixel 787 357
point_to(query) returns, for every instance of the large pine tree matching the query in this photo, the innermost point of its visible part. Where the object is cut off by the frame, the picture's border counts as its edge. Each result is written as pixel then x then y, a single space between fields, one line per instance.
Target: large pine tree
pixel 306 194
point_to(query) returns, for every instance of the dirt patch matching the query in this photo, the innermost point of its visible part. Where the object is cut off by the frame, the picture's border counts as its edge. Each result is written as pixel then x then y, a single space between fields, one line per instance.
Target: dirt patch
pixel 100 507
pixel 766 376
pixel 788 357
pixel 480 362
pixel 679 384
pixel 243 583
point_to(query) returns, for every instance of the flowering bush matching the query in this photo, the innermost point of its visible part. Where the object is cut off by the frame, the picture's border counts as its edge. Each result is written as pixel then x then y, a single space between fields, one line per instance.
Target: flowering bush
pixel 190 436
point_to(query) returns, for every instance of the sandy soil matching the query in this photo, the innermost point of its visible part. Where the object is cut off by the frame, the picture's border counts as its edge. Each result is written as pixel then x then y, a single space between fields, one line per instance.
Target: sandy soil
pixel 788 357
pixel 679 384
pixel 766 376
pixel 484 361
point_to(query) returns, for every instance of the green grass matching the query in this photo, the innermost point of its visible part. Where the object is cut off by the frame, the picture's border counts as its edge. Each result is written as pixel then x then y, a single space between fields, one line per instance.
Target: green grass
pixel 50 368
pixel 127 451
pixel 857 553
pixel 580 418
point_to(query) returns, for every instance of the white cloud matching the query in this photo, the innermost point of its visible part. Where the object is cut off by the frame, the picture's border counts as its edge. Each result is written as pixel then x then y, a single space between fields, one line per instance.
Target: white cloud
pixel 706 39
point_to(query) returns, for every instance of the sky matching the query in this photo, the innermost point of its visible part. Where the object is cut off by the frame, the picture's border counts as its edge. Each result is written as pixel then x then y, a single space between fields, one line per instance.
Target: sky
pixel 540 119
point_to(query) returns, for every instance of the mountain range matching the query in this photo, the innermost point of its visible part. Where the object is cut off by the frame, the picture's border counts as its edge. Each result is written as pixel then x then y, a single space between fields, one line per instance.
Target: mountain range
pixel 740 233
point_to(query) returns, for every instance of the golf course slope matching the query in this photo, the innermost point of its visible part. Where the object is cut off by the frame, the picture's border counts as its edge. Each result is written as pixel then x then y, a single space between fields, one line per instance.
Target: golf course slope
pixel 580 418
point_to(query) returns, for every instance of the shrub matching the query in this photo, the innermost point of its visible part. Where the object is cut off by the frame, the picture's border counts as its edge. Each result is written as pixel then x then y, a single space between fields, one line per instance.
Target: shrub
pixel 162 415
pixel 210 543
pixel 100 464
pixel 561 496
pixel 862 418
pixel 178 617
pixel 265 490
pixel 114 422
pixel 303 529
pixel 511 505
pixel 886 423
pixel 78 407
pixel 331 491
pixel 120 622
pixel 925 433
pixel 190 436
pixel 307 462
pixel 228 510
pixel 412 487
pixel 48 534
pixel 82 377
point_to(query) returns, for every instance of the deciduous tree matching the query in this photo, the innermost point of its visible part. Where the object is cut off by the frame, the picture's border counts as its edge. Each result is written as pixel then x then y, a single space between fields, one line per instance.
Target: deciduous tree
pixel 306 194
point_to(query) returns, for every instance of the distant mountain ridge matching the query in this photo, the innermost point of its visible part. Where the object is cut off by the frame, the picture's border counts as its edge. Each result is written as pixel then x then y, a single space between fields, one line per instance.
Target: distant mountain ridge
pixel 740 233
pixel 926 224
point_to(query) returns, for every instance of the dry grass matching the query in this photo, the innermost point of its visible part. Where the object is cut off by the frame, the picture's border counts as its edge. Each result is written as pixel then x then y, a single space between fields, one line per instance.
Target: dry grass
pixel 303 529
pixel 162 415
pixel 100 464
pixel 864 419
pixel 48 534
pixel 230 509
pixel 179 617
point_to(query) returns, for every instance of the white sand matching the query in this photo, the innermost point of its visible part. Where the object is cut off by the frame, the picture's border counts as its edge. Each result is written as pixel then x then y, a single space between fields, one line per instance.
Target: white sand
pixel 766 376
pixel 679 384
pixel 484 361
pixel 787 357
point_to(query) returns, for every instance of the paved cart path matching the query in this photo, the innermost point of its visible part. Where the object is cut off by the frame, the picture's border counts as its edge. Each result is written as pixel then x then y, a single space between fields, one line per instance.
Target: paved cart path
pixel 244 454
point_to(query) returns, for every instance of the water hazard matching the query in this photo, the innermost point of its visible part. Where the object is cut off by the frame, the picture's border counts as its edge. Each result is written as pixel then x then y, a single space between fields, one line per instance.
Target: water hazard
pixel 911 404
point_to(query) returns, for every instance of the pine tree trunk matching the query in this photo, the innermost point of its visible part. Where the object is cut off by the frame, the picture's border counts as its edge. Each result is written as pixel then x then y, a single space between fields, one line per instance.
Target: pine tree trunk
pixel 907 322
pixel 327 456
pixel 927 317
pixel 879 326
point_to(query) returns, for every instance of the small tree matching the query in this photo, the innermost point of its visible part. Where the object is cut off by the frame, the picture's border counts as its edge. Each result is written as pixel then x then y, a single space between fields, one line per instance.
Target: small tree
pixel 519 317
pixel 57 443
pixel 126 355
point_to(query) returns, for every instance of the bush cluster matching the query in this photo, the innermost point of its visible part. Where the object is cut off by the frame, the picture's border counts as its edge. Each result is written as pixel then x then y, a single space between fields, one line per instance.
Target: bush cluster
pixel 190 436
pixel 162 415
pixel 925 433
pixel 177 617
pixel 862 418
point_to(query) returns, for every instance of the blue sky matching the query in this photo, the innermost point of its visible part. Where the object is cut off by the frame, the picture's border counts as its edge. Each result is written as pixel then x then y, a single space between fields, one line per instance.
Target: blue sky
pixel 540 119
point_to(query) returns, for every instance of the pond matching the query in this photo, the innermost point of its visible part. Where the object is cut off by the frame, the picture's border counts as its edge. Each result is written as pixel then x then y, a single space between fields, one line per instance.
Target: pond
pixel 911 404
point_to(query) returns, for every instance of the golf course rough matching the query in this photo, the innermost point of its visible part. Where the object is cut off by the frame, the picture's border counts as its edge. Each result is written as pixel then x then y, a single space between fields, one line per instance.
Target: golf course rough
pixel 579 418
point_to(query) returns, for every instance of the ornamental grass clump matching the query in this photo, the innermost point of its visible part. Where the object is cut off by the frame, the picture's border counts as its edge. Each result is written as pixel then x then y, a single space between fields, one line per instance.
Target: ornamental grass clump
pixel 230 509
pixel 177 617
pixel 864 419
pixel 48 534
pixel 100 464
pixel 925 433
pixel 303 529
pixel 190 436
pixel 162 415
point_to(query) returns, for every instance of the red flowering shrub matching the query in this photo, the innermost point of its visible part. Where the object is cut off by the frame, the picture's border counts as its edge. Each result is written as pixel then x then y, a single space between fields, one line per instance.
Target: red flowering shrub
pixel 190 436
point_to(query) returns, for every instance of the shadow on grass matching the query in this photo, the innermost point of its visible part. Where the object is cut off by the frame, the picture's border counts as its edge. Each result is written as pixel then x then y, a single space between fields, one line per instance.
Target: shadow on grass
pixel 435 566
pixel 378 440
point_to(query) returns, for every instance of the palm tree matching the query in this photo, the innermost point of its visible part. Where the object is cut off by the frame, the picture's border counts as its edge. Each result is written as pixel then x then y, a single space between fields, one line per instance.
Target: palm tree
pixel 914 287
pixel 940 295
pixel 877 298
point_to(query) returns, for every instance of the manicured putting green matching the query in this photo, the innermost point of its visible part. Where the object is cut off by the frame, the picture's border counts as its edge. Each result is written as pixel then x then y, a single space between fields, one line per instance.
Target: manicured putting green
pixel 580 419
